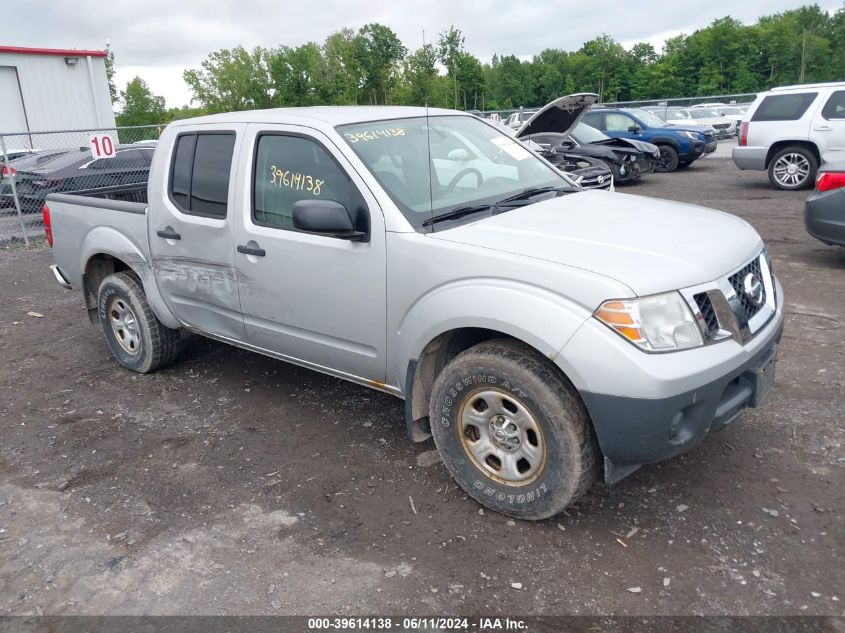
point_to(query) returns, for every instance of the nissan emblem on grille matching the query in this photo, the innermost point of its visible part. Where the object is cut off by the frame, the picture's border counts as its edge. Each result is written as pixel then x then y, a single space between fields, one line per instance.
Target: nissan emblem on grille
pixel 753 288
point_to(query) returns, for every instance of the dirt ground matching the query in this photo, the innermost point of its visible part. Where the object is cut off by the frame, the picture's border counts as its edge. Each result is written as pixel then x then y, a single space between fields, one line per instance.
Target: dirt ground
pixel 231 483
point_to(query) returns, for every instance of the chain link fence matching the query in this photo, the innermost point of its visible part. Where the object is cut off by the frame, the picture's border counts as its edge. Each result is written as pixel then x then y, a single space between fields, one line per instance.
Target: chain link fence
pixel 35 164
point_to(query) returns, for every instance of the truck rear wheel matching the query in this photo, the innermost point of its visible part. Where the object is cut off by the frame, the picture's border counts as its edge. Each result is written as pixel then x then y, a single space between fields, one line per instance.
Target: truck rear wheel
pixel 512 431
pixel 138 340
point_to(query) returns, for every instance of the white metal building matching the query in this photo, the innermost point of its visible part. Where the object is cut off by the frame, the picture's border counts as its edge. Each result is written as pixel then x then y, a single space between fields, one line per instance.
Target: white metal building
pixel 45 89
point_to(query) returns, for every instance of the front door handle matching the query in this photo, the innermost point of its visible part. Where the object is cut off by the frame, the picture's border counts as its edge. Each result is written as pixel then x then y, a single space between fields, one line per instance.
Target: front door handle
pixel 248 250
pixel 169 234
pixel 823 128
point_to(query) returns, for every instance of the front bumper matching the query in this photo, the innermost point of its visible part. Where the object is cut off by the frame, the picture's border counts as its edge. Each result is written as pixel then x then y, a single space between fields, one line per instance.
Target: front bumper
pixel 752 158
pixel 646 408
pixel 824 216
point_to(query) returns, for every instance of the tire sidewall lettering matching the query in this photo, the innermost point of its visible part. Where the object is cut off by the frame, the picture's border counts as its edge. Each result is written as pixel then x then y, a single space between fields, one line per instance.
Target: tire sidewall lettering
pixel 452 398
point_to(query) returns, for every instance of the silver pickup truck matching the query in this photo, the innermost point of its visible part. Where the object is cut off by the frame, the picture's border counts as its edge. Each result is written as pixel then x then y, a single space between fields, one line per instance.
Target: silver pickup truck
pixel 540 333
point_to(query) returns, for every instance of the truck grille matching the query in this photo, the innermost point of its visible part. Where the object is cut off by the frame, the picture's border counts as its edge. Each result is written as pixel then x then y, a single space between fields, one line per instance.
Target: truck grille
pixel 737 281
pixel 721 126
pixel 736 306
pixel 711 323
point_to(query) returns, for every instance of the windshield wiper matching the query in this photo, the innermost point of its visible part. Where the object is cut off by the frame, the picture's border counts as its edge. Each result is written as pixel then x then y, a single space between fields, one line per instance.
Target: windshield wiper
pixel 498 206
pixel 460 212
pixel 529 193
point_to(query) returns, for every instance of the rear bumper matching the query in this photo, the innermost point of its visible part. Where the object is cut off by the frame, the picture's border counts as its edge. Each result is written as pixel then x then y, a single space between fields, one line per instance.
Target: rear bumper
pixel 824 216
pixel 752 158
pixel 60 278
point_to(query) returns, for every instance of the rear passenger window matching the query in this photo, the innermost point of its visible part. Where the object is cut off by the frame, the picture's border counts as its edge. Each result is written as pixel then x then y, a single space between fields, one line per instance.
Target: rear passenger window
pixel 289 169
pixel 199 180
pixel 789 107
pixel 835 106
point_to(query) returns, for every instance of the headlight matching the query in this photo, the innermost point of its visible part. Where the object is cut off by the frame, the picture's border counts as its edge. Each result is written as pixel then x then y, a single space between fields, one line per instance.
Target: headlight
pixel 693 135
pixel 659 323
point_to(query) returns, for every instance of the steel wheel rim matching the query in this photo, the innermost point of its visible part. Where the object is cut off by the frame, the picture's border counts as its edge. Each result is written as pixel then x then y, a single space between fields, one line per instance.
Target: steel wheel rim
pixel 501 437
pixel 124 325
pixel 791 170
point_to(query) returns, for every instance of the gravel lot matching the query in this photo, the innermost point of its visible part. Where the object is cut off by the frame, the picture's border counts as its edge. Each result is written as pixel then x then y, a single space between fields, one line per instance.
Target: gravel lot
pixel 231 483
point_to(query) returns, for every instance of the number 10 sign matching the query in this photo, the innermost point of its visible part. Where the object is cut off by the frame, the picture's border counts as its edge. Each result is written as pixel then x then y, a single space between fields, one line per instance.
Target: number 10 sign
pixel 102 146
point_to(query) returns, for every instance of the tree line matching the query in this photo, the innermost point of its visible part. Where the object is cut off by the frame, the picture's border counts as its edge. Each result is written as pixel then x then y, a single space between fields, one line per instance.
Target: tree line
pixel 373 66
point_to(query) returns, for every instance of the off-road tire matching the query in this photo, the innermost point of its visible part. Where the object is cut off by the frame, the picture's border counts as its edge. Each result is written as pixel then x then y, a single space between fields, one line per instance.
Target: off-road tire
pixel 668 161
pixel 518 372
pixel 157 345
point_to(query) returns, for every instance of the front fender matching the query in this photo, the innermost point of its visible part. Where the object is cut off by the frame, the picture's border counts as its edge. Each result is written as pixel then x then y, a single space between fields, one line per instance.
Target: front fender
pixel 532 314
pixel 105 240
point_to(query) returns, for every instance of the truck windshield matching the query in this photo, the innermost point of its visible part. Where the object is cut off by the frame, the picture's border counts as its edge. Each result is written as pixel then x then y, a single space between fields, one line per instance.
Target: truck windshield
pixel 433 166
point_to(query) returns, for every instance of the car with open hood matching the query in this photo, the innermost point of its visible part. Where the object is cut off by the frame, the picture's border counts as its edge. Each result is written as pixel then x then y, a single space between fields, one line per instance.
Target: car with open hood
pixel 558 127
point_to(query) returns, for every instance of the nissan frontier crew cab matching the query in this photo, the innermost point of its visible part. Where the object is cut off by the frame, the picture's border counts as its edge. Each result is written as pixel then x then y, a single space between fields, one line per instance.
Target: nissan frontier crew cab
pixel 542 334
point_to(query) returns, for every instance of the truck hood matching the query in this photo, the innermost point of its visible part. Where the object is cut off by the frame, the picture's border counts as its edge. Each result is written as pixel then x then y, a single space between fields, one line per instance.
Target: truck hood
pixel 560 115
pixel 649 245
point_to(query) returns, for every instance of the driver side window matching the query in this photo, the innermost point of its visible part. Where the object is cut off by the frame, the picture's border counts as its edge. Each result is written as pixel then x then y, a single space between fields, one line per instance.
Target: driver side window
pixel 289 169
pixel 618 122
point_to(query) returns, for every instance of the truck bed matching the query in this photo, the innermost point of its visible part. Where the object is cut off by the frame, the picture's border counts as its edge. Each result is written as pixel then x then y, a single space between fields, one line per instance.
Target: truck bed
pixel 111 220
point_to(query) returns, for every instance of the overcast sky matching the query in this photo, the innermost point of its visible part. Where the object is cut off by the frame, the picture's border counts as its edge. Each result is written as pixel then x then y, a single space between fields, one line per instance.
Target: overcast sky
pixel 159 39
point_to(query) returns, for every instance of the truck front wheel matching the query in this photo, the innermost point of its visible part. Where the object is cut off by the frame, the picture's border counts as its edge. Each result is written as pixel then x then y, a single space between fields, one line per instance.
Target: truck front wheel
pixel 512 431
pixel 138 340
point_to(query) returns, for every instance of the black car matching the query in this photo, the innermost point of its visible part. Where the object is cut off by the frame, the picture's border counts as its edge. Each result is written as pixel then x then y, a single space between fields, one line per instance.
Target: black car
pixel 77 170
pixel 824 211
pixel 23 161
pixel 557 127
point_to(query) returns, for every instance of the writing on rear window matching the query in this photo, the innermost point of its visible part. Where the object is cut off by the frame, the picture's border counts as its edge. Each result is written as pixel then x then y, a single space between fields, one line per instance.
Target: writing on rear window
pixel 374 135
pixel 295 180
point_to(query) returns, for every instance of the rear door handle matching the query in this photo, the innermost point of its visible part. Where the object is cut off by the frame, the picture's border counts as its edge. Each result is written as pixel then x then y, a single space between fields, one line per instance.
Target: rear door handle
pixel 169 235
pixel 248 250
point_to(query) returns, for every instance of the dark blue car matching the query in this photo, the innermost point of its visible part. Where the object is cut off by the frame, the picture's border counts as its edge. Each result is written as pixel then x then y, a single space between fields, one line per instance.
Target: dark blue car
pixel 679 145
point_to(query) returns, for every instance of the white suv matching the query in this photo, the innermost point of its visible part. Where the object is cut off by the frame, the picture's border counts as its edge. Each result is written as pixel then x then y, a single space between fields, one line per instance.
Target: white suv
pixel 790 130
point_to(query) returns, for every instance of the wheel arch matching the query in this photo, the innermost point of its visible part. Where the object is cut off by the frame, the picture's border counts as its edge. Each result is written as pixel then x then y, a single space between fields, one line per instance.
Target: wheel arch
pixel 106 251
pixel 777 146
pixel 423 371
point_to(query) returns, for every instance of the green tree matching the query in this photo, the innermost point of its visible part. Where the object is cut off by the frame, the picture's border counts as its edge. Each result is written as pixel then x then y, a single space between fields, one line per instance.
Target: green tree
pixel 378 53
pixel 419 76
pixel 109 60
pixel 343 74
pixel 232 79
pixel 450 46
pixel 140 105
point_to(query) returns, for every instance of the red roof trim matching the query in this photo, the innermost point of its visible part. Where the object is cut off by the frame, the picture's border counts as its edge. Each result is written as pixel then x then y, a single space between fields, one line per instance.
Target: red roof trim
pixel 61 52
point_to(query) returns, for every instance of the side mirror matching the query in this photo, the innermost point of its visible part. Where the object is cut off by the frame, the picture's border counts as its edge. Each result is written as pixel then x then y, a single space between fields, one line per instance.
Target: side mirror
pixel 634 128
pixel 458 154
pixel 325 217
